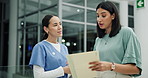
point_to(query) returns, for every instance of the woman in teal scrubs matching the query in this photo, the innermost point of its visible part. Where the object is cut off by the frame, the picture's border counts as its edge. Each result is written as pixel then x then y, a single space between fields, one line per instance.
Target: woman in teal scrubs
pixel 48 58
pixel 118 46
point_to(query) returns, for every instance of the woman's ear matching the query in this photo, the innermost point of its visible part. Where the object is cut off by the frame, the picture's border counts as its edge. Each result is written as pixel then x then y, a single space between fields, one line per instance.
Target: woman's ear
pixel 113 16
pixel 46 29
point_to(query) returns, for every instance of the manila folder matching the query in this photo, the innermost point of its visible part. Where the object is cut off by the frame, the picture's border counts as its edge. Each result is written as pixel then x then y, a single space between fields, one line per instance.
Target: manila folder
pixel 79 64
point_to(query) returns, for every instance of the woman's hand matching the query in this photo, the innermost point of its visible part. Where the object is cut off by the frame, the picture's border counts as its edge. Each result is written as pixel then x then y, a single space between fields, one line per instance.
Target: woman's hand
pixel 66 70
pixel 100 66
pixel 121 68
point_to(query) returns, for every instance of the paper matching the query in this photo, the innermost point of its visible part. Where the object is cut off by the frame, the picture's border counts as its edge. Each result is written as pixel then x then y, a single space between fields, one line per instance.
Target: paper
pixel 79 64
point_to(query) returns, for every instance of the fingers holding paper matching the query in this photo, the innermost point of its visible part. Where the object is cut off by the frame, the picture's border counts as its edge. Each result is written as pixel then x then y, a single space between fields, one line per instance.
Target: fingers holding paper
pixel 100 66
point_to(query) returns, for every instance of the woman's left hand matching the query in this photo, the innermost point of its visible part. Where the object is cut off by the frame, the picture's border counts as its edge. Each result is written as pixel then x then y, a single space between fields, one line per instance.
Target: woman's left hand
pixel 67 70
pixel 100 66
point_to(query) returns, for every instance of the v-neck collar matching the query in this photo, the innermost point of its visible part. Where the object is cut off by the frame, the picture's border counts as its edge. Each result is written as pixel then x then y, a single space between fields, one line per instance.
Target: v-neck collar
pixel 54 47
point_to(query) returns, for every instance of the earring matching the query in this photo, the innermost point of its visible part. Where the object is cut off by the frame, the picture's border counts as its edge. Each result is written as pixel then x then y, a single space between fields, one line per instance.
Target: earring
pixel 47 32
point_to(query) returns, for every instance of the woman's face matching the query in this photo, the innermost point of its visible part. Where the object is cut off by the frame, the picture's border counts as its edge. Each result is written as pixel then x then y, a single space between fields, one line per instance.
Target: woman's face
pixel 55 27
pixel 104 19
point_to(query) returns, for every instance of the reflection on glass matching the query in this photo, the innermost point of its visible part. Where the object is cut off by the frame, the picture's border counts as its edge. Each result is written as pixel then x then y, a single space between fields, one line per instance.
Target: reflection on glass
pixel 31 6
pixel 73 37
pixel 76 2
pixel 93 3
pixel 31 40
pixel 73 13
pixel 21 7
pixel 42 33
pixel 20 47
pixel 50 10
pixel 20 23
pixel 91 16
pixel 91 36
pixel 48 3
pixel 32 20
pixel 4 73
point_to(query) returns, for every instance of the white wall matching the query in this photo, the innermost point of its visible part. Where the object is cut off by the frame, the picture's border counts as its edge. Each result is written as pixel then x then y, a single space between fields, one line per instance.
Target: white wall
pixel 141 29
pixel 123 13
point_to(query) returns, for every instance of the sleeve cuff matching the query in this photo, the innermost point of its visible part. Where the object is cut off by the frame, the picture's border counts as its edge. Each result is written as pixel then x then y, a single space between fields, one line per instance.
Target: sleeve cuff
pixel 61 71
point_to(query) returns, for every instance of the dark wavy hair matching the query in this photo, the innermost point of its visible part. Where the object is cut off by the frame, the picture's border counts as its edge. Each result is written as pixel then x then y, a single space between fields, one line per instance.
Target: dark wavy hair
pixel 116 26
pixel 45 22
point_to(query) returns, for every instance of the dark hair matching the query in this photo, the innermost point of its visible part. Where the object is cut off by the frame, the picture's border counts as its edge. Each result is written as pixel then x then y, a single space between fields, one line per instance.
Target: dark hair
pixel 111 7
pixel 45 22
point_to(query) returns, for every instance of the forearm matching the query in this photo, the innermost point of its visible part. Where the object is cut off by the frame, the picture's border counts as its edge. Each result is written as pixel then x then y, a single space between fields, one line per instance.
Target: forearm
pixel 126 69
pixel 40 73
pixel 121 68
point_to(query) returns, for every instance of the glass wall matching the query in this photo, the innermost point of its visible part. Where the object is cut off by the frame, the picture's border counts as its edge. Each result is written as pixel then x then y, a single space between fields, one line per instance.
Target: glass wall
pixel 73 37
pixel 73 13
pixel 91 16
pixel 91 36
pixel 79 23
pixel 93 3
pixel 76 2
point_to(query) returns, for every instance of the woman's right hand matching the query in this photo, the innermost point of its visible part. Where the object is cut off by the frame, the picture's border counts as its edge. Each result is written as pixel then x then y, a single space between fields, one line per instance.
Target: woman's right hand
pixel 67 70
pixel 100 66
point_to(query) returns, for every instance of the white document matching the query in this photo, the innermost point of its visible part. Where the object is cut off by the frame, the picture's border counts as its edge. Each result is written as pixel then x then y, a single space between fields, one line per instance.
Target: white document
pixel 79 64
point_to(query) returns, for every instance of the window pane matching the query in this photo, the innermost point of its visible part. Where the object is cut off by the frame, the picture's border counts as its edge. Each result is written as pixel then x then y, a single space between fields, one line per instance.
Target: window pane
pixel 77 2
pixel 91 16
pixel 73 13
pixel 31 40
pixel 93 3
pixel 73 37
pixel 31 6
pixel 48 3
pixel 32 20
pixel 130 10
pixel 21 7
pixel 91 36
pixel 131 22
pixel 50 10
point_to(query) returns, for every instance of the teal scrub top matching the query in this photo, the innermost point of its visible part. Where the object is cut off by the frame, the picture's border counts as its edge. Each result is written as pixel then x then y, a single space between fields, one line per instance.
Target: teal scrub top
pixel 46 56
pixel 122 48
